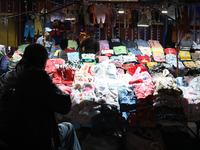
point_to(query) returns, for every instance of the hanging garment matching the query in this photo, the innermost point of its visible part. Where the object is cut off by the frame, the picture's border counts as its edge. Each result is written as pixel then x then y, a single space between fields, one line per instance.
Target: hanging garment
pixel 57 15
pixel 81 15
pixel 29 28
pixel 11 40
pixel 90 11
pixel 86 15
pixel 185 21
pixel 101 11
pixel 112 17
pixel 171 12
pixel 168 38
pixel 55 29
pixel 128 17
pixel 46 22
pixel 135 17
pixel 38 25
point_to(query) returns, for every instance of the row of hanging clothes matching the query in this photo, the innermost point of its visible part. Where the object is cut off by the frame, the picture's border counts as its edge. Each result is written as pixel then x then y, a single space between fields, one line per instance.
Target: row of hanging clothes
pixel 93 13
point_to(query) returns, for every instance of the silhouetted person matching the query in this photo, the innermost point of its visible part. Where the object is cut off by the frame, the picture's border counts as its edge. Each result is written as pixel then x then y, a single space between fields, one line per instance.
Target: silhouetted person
pixel 90 44
pixel 28 101
pixel 63 45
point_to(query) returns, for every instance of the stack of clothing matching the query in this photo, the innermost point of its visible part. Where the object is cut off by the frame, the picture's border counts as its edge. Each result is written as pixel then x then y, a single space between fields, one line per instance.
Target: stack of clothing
pixel 168 105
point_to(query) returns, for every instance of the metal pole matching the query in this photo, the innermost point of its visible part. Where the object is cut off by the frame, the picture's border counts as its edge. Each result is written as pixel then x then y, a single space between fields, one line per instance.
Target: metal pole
pixel 7 33
pixel 177 46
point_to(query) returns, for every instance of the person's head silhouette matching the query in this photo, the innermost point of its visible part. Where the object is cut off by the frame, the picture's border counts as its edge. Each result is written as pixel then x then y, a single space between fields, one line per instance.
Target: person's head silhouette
pixel 63 44
pixel 35 55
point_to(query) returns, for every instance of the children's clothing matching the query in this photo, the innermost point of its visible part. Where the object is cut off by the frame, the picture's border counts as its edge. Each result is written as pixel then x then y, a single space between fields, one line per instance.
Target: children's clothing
pixel 29 28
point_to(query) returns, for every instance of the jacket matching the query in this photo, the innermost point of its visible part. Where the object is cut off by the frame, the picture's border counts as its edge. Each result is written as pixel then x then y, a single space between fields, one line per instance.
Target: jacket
pixel 28 102
pixel 50 45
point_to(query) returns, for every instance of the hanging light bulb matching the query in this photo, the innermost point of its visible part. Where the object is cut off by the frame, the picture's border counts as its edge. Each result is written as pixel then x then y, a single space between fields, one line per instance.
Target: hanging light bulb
pixel 164 9
pixel 143 22
pixel 70 16
pixel 121 11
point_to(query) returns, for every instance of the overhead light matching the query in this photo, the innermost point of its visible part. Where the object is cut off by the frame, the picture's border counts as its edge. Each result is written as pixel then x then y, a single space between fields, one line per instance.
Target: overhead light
pixel 164 10
pixel 143 22
pixel 121 11
pixel 70 16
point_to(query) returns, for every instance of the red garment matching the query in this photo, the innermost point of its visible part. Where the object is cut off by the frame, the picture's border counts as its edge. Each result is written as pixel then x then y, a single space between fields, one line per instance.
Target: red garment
pixel 126 66
pixel 70 50
pixel 134 68
pixel 55 29
pixel 170 51
pixel 63 75
pixel 143 59
pixel 136 81
pixel 89 70
pixel 51 64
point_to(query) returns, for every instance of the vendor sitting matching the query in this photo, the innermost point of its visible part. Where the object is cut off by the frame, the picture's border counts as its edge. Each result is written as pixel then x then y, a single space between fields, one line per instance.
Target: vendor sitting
pixel 186 42
pixel 91 45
